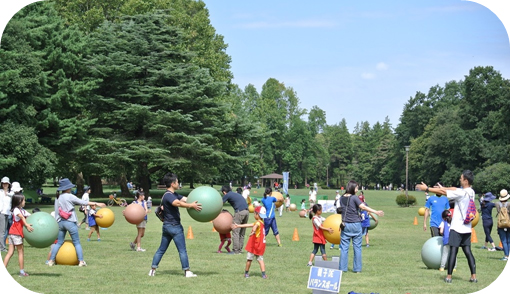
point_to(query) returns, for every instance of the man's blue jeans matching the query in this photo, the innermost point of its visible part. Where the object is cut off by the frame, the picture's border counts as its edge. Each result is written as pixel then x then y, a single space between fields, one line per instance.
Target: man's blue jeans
pixel 176 233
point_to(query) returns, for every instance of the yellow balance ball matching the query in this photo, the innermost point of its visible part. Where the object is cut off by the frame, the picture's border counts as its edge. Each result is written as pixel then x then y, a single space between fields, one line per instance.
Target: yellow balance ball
pixel 293 207
pixel 107 219
pixel 251 208
pixel 421 211
pixel 279 198
pixel 66 254
pixel 475 221
pixel 333 221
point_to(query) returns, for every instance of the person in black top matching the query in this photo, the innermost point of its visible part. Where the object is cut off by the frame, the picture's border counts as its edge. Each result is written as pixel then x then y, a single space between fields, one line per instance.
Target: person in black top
pixel 486 208
pixel 241 214
pixel 172 227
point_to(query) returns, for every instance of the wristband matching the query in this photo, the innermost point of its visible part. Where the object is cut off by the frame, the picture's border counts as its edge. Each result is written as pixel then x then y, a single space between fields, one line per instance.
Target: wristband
pixel 427 190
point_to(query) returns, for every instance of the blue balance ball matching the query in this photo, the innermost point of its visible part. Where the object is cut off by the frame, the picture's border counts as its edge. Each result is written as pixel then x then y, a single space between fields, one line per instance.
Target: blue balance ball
pixel 45 230
pixel 431 252
pixel 211 200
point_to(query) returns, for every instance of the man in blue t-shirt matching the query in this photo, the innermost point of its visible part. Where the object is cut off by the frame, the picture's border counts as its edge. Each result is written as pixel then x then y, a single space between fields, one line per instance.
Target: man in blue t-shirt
pixel 241 215
pixel 434 207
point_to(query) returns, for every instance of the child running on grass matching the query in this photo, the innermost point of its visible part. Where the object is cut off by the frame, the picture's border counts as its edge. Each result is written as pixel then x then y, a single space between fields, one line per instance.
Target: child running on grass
pixel 256 243
pixel 319 241
pixel 92 222
pixel 16 230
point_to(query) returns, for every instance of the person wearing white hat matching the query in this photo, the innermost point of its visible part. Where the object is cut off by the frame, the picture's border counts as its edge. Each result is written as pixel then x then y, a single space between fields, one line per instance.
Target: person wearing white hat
pixel 504 233
pixel 5 207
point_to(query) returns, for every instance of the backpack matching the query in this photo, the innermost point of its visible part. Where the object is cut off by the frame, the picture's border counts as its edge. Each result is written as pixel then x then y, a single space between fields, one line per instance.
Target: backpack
pixel 471 212
pixel 503 217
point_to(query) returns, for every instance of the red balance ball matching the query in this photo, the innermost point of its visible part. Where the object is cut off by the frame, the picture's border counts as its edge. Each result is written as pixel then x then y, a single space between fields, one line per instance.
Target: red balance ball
pixel 134 213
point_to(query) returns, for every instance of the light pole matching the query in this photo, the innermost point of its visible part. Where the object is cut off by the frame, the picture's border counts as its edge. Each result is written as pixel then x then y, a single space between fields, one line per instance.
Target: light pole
pixel 407 172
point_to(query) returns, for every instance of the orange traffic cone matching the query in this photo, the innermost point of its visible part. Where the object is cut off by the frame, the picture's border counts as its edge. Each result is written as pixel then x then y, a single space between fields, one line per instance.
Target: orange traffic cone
pixel 295 237
pixel 474 239
pixel 190 234
pixel 213 229
pixel 500 244
pixel 415 221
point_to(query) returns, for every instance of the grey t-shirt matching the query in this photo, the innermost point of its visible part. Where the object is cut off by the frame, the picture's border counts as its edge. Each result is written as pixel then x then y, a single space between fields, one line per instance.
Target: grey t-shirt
pixel 350 209
pixel 67 202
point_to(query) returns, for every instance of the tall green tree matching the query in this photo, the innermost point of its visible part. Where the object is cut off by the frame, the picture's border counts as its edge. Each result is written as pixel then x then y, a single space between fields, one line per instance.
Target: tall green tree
pixel 41 81
pixel 155 106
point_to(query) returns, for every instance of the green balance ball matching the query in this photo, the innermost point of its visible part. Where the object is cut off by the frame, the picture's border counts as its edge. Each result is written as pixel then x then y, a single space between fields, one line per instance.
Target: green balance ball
pixel 211 200
pixel 45 230
pixel 431 252
pixel 373 224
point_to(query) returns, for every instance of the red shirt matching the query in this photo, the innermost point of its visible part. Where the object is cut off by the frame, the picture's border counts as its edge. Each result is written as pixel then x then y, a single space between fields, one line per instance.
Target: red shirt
pixel 318 234
pixel 257 242
pixel 17 226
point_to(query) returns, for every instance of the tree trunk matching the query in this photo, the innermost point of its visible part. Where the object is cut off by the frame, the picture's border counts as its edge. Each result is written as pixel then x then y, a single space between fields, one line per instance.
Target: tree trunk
pixel 191 183
pixel 96 187
pixel 143 179
pixel 124 191
pixel 79 184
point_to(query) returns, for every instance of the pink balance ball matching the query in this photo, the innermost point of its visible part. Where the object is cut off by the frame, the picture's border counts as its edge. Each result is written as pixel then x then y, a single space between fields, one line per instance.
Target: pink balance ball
pixel 302 213
pixel 293 207
pixel 134 213
pixel 107 219
pixel 223 222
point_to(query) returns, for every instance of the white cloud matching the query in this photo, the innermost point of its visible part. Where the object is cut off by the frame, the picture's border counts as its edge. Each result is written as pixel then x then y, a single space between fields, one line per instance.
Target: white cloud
pixel 381 66
pixel 367 76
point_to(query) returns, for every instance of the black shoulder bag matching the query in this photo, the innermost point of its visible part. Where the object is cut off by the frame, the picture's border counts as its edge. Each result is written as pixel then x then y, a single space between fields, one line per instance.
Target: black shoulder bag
pixel 160 210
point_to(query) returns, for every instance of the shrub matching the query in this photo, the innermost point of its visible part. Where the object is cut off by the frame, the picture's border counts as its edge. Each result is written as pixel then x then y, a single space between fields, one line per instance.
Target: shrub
pixel 402 200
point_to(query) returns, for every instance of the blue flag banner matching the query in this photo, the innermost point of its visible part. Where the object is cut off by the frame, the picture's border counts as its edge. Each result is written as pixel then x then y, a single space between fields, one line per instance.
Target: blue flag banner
pixel 325 279
pixel 285 183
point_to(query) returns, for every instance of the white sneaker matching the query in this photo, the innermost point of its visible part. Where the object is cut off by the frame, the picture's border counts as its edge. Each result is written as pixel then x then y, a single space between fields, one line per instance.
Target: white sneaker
pixel 152 272
pixel 189 274
pixel 50 263
pixel 140 249
pixel 82 263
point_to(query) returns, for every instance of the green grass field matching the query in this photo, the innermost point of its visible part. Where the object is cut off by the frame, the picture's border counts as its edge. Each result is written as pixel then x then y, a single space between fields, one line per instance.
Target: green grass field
pixel 392 264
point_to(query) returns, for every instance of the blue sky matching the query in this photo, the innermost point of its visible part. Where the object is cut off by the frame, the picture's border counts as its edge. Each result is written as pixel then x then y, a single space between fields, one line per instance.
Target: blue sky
pixel 359 60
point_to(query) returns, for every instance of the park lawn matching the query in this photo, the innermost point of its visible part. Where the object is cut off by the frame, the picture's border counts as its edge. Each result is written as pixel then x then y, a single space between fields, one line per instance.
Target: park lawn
pixel 392 263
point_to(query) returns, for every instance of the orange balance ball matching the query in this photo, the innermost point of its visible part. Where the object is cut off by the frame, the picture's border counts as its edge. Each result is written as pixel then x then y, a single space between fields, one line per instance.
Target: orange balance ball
pixel 421 211
pixel 107 219
pixel 134 213
pixel 302 213
pixel 66 254
pixel 251 208
pixel 279 198
pixel 333 221
pixel 475 221
pixel 223 222
pixel 293 207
